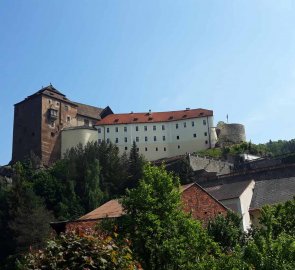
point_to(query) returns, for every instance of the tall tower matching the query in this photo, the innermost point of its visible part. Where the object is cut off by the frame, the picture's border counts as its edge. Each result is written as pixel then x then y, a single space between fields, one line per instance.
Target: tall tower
pixel 38 120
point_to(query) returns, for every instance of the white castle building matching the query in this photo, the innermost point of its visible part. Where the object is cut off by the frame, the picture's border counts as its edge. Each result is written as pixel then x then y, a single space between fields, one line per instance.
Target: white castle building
pixel 157 134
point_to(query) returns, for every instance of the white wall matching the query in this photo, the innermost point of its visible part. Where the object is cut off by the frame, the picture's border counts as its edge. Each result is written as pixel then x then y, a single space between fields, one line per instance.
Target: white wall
pixel 72 137
pixel 186 143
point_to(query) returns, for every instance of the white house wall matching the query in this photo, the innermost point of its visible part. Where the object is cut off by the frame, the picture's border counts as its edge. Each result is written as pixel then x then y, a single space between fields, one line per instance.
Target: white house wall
pixel 171 146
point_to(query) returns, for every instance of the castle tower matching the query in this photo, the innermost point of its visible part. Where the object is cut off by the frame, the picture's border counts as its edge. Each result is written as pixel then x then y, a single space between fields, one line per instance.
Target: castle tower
pixel 38 120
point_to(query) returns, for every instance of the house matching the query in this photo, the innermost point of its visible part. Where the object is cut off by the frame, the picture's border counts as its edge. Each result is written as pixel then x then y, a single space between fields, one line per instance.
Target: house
pixel 40 118
pixel 196 201
pixel 268 192
pixel 236 196
pixel 159 134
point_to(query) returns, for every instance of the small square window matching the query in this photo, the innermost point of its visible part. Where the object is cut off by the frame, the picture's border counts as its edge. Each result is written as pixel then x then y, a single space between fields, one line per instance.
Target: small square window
pixel 195 135
pixel 176 126
pixel 108 140
pixel 56 103
pixel 154 128
pixel 164 138
pixel 136 128
pixel 68 119
pixel 99 140
pixel 137 139
pixel 156 148
pixel 145 148
pixel 178 146
pixel 204 122
pixel 145 128
pixel 125 139
pixel 193 123
pixel 49 101
pixel 177 137
pixel 99 130
pixel 117 129
pixel 117 140
pixel 184 124
pixel 125 129
pixel 205 134
pixel 145 138
pixel 155 138
pixel 108 130
pixel 126 148
pixel 163 127
pixel 66 107
pixel 165 149
pixel 206 142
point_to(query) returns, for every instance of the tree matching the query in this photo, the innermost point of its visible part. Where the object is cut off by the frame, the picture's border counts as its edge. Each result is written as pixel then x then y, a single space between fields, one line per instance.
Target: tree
pixel 79 251
pixel 226 230
pixel 162 235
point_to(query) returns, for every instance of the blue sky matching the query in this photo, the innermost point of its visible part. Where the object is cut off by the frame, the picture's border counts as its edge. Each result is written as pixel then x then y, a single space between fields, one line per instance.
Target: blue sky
pixel 234 57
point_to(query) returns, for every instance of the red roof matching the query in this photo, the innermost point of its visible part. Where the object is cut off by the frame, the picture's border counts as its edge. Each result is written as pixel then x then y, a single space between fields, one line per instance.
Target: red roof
pixel 153 117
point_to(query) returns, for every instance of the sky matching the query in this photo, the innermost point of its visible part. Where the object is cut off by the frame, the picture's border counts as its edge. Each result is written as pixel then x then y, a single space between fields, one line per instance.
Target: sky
pixel 233 57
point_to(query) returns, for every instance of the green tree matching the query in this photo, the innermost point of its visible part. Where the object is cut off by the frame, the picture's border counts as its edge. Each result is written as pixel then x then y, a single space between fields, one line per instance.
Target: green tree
pixel 162 236
pixel 73 251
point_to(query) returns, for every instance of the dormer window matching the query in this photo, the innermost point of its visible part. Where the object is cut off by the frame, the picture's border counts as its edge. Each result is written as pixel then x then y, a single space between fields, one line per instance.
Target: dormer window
pixel 52 114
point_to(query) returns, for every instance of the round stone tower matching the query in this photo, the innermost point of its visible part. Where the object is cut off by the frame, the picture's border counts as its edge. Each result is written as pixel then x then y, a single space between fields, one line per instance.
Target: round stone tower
pixel 229 134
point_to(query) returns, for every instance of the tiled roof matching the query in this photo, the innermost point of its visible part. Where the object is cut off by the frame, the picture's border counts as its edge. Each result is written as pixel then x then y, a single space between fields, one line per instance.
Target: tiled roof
pixel 153 117
pixel 89 111
pixel 273 191
pixel 110 209
pixel 228 191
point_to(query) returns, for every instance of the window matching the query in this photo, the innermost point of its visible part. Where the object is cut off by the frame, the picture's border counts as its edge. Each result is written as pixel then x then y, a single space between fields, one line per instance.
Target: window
pixel 52 113
pixel 205 133
pixel 49 101
pixel 125 139
pixel 126 148
pixel 108 140
pixel 177 137
pixel 163 127
pixel 156 148
pixel 178 146
pixel 117 129
pixel 137 149
pixel 68 119
pixel 204 122
pixel 136 128
pixel 66 107
pixel 125 129
pixel 99 130
pixel 52 134
pixel 206 142
pixel 99 140
pixel 86 122
pixel 57 103
pixel 145 138
pixel 155 138
pixel 108 130
pixel 137 139
pixel 52 124
pixel 184 124
pixel 193 123
pixel 117 140
pixel 154 128
pixel 145 148
pixel 176 126
pixel 195 135
pixel 165 149
pixel 145 128
pixel 164 138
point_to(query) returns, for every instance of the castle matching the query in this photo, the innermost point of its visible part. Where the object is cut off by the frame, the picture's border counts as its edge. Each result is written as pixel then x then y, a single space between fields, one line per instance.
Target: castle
pixel 47 124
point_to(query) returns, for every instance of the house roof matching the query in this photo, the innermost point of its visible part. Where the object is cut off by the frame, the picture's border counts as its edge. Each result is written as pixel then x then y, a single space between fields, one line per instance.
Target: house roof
pixel 272 191
pixel 228 191
pixel 110 209
pixel 89 111
pixel 153 117
pixel 113 208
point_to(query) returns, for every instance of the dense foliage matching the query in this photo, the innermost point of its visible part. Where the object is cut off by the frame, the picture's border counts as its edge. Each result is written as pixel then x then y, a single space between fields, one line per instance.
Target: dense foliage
pixel 81 251
pixel 271 148
pixel 73 186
